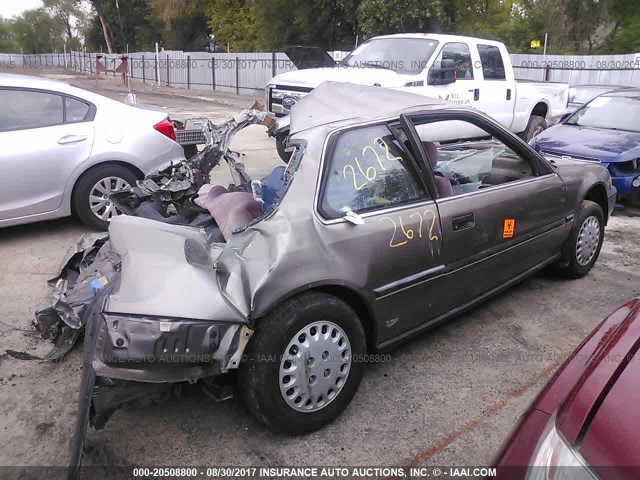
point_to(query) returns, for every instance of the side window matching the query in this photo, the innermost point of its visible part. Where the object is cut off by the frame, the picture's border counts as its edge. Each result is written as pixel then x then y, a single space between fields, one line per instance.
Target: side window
pixel 368 171
pixel 76 111
pixel 23 109
pixel 459 53
pixel 464 166
pixel 492 65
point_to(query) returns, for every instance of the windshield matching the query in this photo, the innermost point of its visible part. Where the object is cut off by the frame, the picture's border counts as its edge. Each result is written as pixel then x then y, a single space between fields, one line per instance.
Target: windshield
pixel 402 55
pixel 612 113
pixel 584 94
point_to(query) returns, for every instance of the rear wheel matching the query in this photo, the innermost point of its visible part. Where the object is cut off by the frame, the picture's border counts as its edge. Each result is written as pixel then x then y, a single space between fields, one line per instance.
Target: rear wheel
pixel 299 371
pixel 91 202
pixel 535 126
pixel 584 243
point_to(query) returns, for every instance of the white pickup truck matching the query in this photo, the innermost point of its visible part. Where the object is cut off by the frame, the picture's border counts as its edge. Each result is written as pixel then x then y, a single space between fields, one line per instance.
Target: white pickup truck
pixel 463 70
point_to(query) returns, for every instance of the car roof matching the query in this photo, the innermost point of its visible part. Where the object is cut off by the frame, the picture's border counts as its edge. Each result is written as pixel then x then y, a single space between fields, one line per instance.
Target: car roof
pixel 630 92
pixel 441 37
pixel 350 103
pixel 28 81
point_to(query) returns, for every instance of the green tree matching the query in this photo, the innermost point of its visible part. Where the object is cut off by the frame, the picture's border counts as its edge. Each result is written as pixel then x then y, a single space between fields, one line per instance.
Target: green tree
pixel 36 31
pixel 8 42
pixel 118 24
pixel 378 17
pixel 233 23
pixel 72 15
pixel 184 23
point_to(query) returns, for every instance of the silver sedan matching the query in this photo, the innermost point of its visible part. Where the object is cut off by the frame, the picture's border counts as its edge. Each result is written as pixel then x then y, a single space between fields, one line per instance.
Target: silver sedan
pixel 64 150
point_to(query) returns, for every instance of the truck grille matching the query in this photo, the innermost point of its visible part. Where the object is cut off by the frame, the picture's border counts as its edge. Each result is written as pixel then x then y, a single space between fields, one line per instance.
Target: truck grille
pixel 281 98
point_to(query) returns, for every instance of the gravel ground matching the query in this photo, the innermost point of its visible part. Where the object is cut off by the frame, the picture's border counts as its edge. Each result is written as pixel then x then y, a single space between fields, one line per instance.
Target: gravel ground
pixel 449 397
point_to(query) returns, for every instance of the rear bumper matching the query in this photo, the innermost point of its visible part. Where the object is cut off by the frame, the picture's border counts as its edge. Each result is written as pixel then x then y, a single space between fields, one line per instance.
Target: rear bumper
pixel 156 350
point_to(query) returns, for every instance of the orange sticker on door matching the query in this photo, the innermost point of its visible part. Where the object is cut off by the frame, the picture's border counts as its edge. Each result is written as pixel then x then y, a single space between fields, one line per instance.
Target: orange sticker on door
pixel 508 227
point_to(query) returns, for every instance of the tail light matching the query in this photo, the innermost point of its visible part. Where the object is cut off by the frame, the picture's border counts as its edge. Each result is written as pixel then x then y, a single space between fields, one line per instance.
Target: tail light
pixel 165 127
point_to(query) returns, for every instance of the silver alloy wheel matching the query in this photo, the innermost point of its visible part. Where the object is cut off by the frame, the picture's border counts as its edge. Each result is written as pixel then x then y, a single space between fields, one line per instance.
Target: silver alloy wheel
pixel 99 201
pixel 315 366
pixel 588 240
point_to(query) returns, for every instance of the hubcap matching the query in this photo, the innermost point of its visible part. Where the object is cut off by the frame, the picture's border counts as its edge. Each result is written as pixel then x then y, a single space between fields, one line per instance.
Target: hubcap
pixel 588 240
pixel 315 366
pixel 100 203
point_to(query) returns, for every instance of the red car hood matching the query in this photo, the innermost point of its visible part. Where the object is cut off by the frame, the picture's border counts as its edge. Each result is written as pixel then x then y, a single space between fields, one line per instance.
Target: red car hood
pixel 600 414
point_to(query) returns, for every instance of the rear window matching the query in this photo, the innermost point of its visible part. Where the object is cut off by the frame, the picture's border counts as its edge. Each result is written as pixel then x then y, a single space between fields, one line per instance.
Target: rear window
pixel 26 109
pixel 492 64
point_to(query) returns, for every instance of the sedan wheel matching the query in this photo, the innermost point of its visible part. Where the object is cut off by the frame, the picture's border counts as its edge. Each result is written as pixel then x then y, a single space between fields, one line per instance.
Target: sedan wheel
pixel 303 364
pixel 91 202
pixel 99 201
pixel 315 366
pixel 588 240
pixel 585 241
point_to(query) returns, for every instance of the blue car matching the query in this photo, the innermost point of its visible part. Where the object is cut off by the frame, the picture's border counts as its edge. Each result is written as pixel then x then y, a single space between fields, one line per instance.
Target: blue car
pixel 605 130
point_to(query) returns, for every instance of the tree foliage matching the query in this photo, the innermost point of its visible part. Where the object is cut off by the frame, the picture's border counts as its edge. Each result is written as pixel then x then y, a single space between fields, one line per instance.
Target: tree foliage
pixel 35 31
pixel 233 24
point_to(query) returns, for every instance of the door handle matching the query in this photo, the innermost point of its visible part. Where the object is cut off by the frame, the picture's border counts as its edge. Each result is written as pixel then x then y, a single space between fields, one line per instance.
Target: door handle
pixel 463 221
pixel 508 94
pixel 476 94
pixel 72 139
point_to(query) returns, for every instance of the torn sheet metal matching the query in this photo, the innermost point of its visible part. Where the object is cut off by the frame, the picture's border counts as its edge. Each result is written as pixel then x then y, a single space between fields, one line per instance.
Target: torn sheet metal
pixel 86 268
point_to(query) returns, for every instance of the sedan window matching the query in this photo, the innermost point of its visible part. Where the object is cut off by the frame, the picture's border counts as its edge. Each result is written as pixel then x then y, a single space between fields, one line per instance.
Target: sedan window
pixel 76 111
pixel 26 109
pixel 470 165
pixel 368 170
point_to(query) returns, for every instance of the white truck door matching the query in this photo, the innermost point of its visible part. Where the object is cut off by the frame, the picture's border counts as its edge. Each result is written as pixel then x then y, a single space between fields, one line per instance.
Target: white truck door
pixel 498 92
pixel 466 87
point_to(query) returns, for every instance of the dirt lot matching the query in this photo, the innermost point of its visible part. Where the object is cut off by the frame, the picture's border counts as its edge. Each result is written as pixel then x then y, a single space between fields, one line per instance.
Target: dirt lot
pixel 447 398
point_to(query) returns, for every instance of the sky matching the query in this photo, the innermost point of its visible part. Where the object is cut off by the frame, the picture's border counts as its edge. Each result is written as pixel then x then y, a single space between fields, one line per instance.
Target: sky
pixel 9 8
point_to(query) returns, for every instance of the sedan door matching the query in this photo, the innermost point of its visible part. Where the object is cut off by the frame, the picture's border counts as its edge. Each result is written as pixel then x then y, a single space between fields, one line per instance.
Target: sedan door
pixel 380 222
pixel 503 209
pixel 45 136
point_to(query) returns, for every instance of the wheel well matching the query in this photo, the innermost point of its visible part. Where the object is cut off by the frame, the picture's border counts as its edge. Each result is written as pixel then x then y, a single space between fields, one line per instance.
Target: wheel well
pixel 598 194
pixel 540 110
pixel 358 305
pixel 135 170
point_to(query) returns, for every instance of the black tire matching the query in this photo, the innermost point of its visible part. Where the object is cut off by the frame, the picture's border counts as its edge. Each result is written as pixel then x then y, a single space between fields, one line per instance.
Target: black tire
pixel 572 266
pixel 259 374
pixel 536 125
pixel 80 201
pixel 190 151
pixel 280 147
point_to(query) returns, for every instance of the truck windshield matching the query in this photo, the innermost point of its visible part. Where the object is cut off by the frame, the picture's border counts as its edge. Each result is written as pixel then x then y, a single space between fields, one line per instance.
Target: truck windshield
pixel 402 55
pixel 611 113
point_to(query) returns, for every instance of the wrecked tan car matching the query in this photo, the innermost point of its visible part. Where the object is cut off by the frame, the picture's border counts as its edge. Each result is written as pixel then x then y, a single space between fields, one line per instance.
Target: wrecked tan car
pixel 382 225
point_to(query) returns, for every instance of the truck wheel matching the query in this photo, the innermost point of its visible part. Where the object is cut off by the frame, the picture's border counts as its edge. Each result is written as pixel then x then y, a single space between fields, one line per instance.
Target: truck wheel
pixel 91 201
pixel 585 241
pixel 536 125
pixel 303 365
pixel 280 146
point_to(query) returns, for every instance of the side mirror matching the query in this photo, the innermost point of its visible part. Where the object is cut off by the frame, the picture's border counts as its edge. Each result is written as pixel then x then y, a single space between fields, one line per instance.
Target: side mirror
pixel 443 75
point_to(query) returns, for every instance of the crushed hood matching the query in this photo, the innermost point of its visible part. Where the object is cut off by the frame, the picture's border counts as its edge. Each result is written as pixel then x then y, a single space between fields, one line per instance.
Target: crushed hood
pixel 333 102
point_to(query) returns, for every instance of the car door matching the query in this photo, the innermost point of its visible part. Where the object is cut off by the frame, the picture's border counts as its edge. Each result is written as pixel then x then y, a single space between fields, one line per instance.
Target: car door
pixel 498 95
pixel 380 220
pixel 504 210
pixel 44 137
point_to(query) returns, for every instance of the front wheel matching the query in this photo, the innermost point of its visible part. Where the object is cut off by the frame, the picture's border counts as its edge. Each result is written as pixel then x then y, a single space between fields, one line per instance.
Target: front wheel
pixel 535 126
pixel 302 366
pixel 585 241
